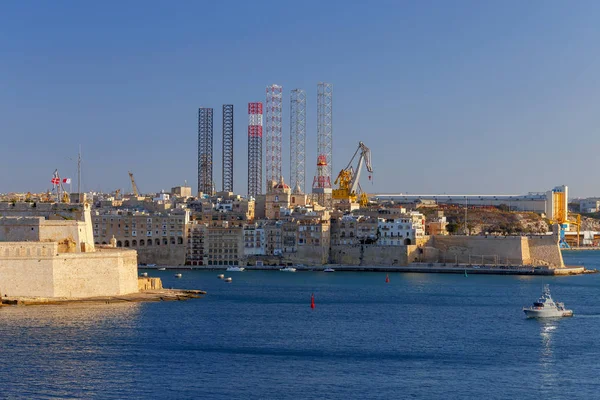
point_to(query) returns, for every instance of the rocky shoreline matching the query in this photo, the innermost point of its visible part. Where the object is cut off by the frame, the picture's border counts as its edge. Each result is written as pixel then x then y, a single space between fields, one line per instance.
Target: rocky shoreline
pixel 150 295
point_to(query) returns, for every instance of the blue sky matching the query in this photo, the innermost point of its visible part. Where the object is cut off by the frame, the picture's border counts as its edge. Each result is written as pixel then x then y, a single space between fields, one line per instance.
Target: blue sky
pixel 451 96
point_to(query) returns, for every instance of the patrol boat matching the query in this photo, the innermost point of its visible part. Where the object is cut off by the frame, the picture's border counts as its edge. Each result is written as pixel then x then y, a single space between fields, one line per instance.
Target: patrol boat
pixel 545 307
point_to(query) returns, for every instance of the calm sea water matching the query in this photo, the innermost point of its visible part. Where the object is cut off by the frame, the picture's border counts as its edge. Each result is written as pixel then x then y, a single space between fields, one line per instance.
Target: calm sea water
pixel 420 336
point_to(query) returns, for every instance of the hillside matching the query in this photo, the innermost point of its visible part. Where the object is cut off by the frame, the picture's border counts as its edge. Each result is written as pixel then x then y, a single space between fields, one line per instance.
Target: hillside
pixel 493 221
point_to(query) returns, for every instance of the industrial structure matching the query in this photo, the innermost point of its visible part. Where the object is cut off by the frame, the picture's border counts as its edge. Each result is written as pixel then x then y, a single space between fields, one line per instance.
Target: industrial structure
pixel 349 180
pixel 548 203
pixel 322 180
pixel 205 150
pixel 134 187
pixel 255 133
pixel 273 116
pixel 298 141
pixel 227 175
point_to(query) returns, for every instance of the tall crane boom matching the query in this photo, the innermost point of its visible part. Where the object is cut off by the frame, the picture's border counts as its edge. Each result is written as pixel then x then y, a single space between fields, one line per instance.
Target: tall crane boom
pixel 348 179
pixel 133 185
pixel 365 156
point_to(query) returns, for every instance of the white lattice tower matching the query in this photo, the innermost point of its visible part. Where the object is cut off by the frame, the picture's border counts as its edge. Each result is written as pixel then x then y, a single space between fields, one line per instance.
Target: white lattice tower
pixel 273 116
pixel 298 140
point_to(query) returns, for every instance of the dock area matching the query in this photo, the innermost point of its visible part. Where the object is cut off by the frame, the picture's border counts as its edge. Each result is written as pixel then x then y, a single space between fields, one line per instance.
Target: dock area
pixel 150 295
pixel 439 268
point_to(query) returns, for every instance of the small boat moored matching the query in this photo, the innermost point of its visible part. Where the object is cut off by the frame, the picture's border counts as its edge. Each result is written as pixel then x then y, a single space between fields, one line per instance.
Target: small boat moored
pixel 545 307
pixel 228 279
pixel 288 269
pixel 144 274
pixel 329 270
pixel 235 269
pixel 177 275
pixel 162 269
pixel 221 276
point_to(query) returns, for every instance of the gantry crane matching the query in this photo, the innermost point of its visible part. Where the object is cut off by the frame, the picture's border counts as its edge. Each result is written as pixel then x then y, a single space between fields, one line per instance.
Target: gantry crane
pixel 133 185
pixel 348 178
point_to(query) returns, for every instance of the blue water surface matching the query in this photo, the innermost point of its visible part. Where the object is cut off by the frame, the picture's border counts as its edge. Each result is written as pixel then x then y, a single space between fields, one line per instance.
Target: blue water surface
pixel 428 336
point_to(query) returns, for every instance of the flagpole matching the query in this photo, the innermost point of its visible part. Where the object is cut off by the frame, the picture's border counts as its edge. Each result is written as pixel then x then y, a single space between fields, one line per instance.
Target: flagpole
pixel 79 172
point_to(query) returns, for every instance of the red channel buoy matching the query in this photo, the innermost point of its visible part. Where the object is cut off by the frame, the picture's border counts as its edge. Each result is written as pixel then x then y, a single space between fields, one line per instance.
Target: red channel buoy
pixel 312 300
pixel 387 278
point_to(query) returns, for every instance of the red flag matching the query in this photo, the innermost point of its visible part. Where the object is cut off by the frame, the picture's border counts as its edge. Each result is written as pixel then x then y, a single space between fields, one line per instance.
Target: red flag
pixel 55 181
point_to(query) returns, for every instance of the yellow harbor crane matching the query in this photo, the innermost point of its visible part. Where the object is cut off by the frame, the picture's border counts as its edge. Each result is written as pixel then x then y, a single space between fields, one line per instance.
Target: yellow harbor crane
pixel 133 185
pixel 348 179
pixel 560 216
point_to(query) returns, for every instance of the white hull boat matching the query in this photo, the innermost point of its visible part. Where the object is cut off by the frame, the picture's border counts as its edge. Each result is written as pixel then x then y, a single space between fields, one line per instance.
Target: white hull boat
pixel 329 270
pixel 235 269
pixel 288 269
pixel 545 307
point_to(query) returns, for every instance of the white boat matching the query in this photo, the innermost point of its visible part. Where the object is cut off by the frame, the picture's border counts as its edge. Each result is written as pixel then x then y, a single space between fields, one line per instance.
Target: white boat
pixel 288 269
pixel 162 269
pixel 151 265
pixel 329 270
pixel 177 275
pixel 228 279
pixel 235 269
pixel 144 274
pixel 545 307
pixel 221 276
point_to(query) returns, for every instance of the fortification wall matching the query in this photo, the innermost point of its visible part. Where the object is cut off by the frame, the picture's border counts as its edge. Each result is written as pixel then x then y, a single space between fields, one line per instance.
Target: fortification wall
pixel 309 255
pixel 482 249
pixel 19 276
pixel 36 269
pixel 544 250
pixel 370 255
pixel 162 255
pixel 106 272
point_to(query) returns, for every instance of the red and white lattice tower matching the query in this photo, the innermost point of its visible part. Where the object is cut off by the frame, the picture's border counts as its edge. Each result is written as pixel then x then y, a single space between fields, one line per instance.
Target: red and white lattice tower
pixel 322 180
pixel 273 121
pixel 255 133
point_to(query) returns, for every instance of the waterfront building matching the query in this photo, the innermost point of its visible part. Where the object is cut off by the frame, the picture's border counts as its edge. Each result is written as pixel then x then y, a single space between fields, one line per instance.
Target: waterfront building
pixel 274 236
pixel 255 242
pixel 225 243
pixel 289 236
pixel 401 231
pixel 196 240
pixel 314 237
pixel 159 238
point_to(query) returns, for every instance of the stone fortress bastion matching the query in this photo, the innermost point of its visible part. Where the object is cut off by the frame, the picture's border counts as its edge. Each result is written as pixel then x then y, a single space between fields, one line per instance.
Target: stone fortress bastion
pixel 47 250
